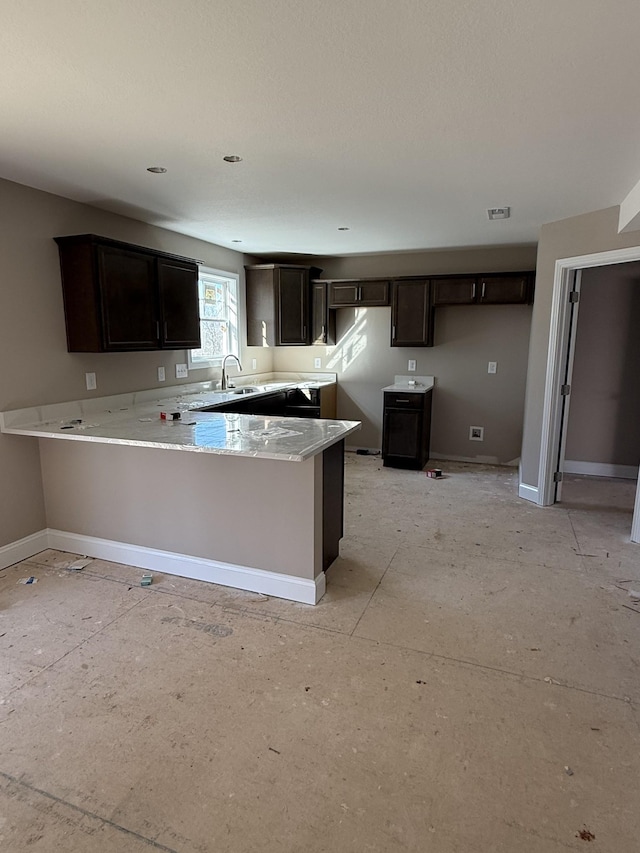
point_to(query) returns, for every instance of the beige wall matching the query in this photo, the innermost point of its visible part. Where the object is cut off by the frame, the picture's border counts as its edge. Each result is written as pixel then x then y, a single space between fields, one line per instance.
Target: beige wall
pixel 579 235
pixel 605 386
pixel 35 367
pixel 466 339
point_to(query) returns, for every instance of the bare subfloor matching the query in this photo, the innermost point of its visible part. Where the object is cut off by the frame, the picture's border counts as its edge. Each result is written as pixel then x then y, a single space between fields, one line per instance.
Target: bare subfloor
pixel 470 682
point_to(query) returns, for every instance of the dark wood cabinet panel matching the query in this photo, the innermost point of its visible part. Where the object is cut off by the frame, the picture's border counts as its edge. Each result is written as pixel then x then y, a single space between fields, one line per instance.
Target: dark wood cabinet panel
pixel 178 293
pixel 411 314
pixel 122 298
pixel 323 321
pixel 279 304
pixel 406 430
pixel 128 297
pixel 359 293
pixel 293 306
pixel 504 290
pixel 454 291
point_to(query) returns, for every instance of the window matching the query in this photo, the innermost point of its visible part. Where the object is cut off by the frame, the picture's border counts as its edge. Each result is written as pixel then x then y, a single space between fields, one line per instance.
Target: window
pixel 218 301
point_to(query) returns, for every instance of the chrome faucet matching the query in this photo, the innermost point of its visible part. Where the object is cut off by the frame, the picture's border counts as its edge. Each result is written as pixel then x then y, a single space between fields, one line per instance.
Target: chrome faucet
pixel 223 384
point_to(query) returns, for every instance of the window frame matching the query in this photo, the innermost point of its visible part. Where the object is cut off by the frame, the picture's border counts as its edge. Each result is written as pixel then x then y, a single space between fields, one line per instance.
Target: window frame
pixel 203 273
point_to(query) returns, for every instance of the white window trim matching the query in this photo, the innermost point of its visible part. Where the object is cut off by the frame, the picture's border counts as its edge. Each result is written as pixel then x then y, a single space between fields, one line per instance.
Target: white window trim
pixel 201 364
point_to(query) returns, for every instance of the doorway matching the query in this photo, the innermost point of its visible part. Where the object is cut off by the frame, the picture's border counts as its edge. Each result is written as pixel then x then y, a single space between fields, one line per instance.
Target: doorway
pixel 559 371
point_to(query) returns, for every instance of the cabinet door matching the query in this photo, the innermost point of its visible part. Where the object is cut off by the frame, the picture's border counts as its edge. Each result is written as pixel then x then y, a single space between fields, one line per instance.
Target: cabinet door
pixel 128 297
pixel 504 290
pixel 179 314
pixel 402 434
pixel 293 307
pixel 454 291
pixel 343 295
pixel 374 293
pixel 411 314
pixel 322 320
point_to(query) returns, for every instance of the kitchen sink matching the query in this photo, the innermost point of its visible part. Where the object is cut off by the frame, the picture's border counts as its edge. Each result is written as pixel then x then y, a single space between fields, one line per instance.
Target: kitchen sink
pixel 246 389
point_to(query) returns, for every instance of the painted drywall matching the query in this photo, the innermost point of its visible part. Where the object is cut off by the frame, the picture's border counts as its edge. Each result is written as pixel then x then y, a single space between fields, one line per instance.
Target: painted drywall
pixel 35 367
pixel 189 503
pixel 605 386
pixel 580 235
pixel 466 339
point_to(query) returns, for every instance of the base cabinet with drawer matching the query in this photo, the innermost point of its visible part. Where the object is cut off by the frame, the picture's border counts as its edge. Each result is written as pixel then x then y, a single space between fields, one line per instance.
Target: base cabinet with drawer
pixel 406 429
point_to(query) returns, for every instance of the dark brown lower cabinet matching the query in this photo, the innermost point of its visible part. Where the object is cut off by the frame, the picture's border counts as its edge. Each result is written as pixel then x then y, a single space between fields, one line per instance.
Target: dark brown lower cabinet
pixel 406 430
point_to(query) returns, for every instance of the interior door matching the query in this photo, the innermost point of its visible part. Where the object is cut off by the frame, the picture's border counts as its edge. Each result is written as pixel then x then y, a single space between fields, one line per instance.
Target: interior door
pixel 565 390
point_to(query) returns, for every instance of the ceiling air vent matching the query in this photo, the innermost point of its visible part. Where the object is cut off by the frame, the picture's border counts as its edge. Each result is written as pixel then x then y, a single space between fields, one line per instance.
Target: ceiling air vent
pixel 499 212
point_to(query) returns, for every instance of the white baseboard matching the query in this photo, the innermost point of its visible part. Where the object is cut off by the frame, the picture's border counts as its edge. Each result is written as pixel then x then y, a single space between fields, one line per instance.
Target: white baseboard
pixel 601 469
pixel 22 549
pixel 168 562
pixel 529 493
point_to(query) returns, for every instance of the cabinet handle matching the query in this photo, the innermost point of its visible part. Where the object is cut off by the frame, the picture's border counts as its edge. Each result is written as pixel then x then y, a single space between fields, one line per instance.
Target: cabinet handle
pixel 393 333
pixel 158 329
pixel 473 292
pixel 166 330
pixel 484 287
pixel 304 332
pixel 324 334
pixel 359 295
pixel 403 401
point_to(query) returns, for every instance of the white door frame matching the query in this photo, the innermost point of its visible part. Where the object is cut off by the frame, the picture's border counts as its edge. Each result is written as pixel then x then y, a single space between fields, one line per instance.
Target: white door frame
pixel 556 361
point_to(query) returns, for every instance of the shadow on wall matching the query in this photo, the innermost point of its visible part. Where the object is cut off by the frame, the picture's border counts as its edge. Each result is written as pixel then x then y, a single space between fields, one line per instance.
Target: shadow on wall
pixel 626 439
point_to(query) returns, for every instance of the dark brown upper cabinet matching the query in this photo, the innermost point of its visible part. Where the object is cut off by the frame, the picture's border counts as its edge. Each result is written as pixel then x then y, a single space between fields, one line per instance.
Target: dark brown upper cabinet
pixel 279 304
pixel 122 298
pixel 512 289
pixel 411 313
pixel 323 321
pixel 358 293
pixel 492 289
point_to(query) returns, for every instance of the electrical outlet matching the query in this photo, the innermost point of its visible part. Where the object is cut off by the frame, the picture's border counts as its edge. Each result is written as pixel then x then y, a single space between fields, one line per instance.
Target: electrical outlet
pixel 254 363
pixel 411 366
pixel 493 367
pixel 476 433
pixel 90 379
pixel 181 371
pixel 161 374
pixel 317 363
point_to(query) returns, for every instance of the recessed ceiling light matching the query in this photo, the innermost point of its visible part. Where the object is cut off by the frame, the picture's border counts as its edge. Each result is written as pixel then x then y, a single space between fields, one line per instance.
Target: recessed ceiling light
pixel 499 212
pixel 157 170
pixel 232 158
pixel 343 228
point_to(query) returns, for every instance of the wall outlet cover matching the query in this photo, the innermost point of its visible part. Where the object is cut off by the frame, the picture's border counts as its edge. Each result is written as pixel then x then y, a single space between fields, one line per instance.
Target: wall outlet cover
pixel 161 374
pixel 254 363
pixel 411 366
pixel 90 379
pixel 493 367
pixel 317 363
pixel 476 433
pixel 181 371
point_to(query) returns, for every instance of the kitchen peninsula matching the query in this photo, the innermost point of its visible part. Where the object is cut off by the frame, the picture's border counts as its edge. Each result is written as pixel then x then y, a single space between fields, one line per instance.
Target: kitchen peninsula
pixel 249 501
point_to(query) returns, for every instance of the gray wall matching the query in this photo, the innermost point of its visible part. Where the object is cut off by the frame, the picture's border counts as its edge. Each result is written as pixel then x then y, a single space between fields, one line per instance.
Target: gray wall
pixel 466 339
pixel 35 367
pixel 605 387
pixel 580 235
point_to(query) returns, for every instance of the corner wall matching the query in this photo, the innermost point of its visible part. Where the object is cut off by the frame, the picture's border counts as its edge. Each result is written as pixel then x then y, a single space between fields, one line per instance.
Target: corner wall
pixel 35 367
pixel 587 234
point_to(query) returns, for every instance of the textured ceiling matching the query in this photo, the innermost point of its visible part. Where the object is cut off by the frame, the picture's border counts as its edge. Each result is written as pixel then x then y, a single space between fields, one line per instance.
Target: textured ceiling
pixel 401 119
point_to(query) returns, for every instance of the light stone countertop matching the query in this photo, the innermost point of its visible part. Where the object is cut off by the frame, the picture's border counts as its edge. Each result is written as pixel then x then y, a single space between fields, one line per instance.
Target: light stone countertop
pixel 134 420
pixel 401 385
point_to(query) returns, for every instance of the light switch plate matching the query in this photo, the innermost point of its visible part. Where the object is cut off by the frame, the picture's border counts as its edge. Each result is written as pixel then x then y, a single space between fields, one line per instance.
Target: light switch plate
pixel 317 363
pixel 254 363
pixel 181 371
pixel 411 366
pixel 90 379
pixel 161 374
